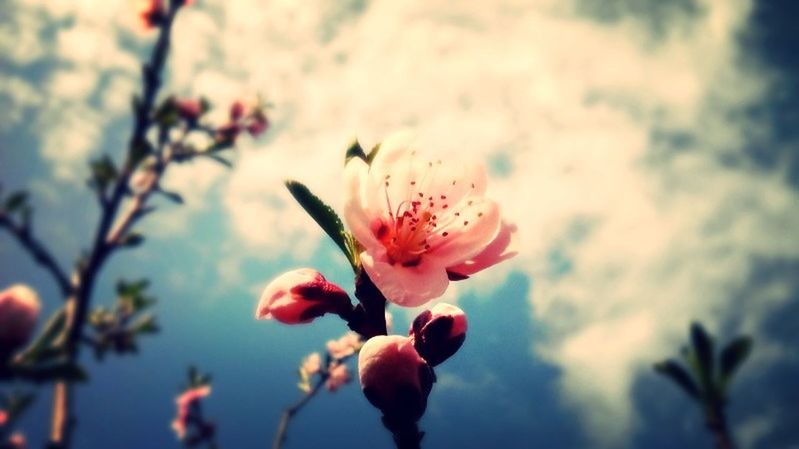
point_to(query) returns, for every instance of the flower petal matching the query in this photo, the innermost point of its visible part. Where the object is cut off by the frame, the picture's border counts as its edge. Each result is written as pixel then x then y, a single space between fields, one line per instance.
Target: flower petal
pixel 469 230
pixel 406 286
pixel 356 213
pixel 502 248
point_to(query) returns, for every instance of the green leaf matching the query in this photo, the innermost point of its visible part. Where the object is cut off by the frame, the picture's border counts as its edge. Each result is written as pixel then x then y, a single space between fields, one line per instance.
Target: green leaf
pixel 703 349
pixel 43 346
pixel 172 196
pixel 678 375
pixel 354 150
pixel 103 172
pixel 323 214
pixel 145 324
pixel 132 288
pixel 16 201
pixel 733 355
pixel 132 240
pixel 372 154
pixel 221 160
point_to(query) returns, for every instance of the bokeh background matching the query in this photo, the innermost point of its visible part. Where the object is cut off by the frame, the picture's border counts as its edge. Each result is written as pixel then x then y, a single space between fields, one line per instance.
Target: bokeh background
pixel 645 148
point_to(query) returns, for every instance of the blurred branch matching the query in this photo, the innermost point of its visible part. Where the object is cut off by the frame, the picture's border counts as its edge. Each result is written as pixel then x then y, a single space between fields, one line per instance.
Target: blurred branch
pixel 38 251
pixel 105 238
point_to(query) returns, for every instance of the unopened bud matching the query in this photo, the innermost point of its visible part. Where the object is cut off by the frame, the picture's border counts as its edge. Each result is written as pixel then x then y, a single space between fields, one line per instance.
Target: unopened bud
pixel 438 333
pixel 300 296
pixel 394 377
pixel 19 309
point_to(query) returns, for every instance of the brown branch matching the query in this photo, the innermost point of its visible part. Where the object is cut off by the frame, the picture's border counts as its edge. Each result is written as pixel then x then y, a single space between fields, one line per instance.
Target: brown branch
pixel 38 251
pixel 290 411
pixel 78 303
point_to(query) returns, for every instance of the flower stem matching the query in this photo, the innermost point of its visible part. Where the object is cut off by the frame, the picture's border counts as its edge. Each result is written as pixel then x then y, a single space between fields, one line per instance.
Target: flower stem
pixel 406 434
pixel 290 411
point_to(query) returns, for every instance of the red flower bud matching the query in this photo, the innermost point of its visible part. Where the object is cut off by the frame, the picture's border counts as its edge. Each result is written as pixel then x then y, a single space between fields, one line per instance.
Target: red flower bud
pixel 300 296
pixel 151 13
pixel 236 111
pixel 394 378
pixel 438 333
pixel 189 109
pixel 17 441
pixel 19 309
pixel 258 124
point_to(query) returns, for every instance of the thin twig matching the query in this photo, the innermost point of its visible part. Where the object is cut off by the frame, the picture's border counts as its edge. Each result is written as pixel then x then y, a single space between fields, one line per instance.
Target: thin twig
pixel 38 251
pixel 79 302
pixel 290 411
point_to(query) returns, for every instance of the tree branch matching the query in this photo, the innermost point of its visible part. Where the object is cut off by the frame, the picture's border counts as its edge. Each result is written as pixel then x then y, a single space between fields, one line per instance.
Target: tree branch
pixel 38 251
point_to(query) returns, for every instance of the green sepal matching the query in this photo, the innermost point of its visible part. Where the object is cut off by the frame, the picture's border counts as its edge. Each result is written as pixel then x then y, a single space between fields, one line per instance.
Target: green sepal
pixel 675 372
pixel 324 216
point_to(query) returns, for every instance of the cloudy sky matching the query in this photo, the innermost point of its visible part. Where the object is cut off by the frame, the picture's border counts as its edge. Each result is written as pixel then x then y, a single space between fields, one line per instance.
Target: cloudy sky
pixel 645 149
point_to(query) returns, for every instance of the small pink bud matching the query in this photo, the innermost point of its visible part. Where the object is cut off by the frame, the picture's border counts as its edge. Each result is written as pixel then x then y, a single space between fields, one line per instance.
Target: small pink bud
pixel 185 402
pixel 312 364
pixel 394 377
pixel 338 375
pixel 344 346
pixel 236 111
pixel 438 333
pixel 3 418
pixel 17 441
pixel 143 180
pixel 300 296
pixel 258 124
pixel 189 109
pixel 19 309
pixel 151 13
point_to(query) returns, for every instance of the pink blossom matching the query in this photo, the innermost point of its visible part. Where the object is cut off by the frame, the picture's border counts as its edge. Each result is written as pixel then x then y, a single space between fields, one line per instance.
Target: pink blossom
pixel 143 180
pixel 300 296
pixel 257 123
pixel 500 249
pixel 338 376
pixel 3 418
pixel 185 402
pixel 394 377
pixel 17 441
pixel 415 218
pixel 151 13
pixel 344 346
pixel 236 111
pixel 189 109
pixel 312 364
pixel 438 333
pixel 19 310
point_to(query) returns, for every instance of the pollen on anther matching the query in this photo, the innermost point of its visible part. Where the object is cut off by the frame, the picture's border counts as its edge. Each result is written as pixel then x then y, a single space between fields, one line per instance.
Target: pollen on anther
pixel 445 206
pixel 413 183
pixel 421 195
pixel 480 214
pixel 457 214
pixel 443 197
pixel 466 222
pixel 444 234
pixel 472 185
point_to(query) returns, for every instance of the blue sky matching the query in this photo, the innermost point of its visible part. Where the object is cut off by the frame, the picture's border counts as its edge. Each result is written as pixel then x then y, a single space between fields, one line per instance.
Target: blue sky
pixel 645 150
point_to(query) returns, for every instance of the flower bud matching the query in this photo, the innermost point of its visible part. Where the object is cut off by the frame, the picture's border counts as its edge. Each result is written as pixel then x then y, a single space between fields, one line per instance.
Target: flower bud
pixel 19 309
pixel 394 378
pixel 189 109
pixel 312 364
pixel 17 441
pixel 344 346
pixel 185 402
pixel 3 417
pixel 438 333
pixel 299 296
pixel 338 375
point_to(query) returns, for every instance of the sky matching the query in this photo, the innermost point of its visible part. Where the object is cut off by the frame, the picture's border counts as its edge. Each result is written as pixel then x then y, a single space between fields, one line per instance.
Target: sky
pixel 646 150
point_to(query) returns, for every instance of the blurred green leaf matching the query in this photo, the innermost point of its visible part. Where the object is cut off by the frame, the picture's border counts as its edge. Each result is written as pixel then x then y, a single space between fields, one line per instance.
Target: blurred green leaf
pixel 220 160
pixel 172 196
pixel 323 214
pixel 16 201
pixel 131 288
pixel 733 355
pixel 132 240
pixel 145 324
pixel 703 350
pixel 676 373
pixel 372 154
pixel 43 346
pixel 354 150
pixel 103 172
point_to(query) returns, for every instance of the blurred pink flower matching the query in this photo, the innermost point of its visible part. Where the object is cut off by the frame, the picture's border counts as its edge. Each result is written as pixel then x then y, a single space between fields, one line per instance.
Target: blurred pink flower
pixel 17 441
pixel 185 401
pixel 189 109
pixel 312 364
pixel 394 377
pixel 3 418
pixel 19 310
pixel 300 296
pixel 438 333
pixel 338 375
pixel 344 346
pixel 143 179
pixel 151 13
pixel 415 218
